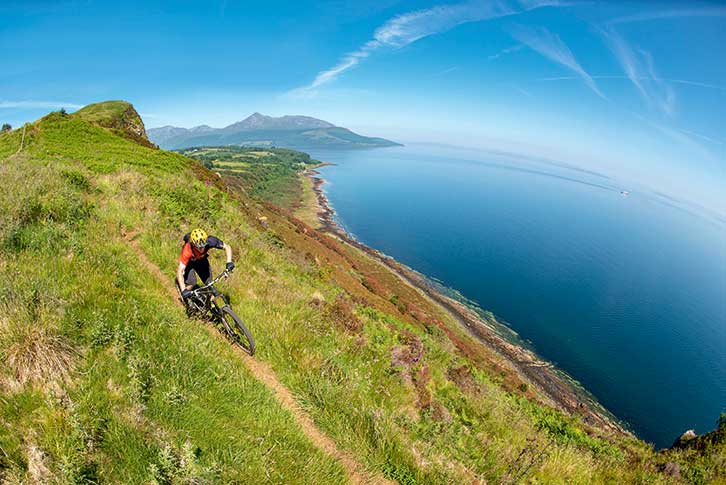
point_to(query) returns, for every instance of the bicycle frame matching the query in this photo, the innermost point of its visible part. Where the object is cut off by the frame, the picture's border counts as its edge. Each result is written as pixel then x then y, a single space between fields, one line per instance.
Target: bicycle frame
pixel 200 300
pixel 200 291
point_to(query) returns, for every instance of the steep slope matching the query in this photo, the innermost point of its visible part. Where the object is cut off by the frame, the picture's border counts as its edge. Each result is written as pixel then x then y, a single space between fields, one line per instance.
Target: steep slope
pixel 261 130
pixel 103 378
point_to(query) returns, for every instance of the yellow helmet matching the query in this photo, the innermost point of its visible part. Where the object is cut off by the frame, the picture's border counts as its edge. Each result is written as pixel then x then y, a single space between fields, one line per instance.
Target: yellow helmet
pixel 198 237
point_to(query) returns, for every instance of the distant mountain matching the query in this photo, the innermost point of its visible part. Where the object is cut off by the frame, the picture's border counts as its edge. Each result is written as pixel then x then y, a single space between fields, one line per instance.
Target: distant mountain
pixel 258 129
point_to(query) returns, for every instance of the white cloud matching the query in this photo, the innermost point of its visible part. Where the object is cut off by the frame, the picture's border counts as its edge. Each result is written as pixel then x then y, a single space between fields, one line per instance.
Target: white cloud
pixel 407 28
pixel 38 105
pixel 506 51
pixel 685 138
pixel 447 71
pixel 682 137
pixel 696 83
pixel 639 68
pixel 344 64
pixel 675 13
pixel 553 48
pixel 522 91
pixel 643 78
pixel 703 137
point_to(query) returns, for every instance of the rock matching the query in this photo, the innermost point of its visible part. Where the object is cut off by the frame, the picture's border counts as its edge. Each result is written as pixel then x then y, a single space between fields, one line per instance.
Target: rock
pixel 683 440
pixel 672 469
pixel 691 440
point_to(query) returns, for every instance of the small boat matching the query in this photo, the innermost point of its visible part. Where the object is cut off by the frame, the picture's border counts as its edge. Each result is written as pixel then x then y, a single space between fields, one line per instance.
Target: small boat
pixel 624 193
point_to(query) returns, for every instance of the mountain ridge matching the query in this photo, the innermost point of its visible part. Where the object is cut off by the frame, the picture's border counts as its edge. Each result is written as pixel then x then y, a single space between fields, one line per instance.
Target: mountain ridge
pixel 289 131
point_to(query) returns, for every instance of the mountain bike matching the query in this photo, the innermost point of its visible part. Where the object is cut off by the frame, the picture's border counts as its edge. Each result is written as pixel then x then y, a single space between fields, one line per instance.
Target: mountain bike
pixel 200 304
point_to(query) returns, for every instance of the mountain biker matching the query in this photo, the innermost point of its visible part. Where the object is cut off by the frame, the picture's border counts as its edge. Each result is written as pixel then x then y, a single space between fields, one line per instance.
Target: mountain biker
pixel 193 259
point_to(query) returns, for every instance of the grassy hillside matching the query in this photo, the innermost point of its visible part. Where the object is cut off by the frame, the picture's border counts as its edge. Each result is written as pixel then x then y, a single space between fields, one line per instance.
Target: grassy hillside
pixel 103 379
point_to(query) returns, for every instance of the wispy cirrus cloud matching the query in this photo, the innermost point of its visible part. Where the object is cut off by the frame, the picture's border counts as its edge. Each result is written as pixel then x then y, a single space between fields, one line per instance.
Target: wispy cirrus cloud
pixel 670 80
pixel 639 68
pixel 505 51
pixel 26 104
pixel 553 48
pixel 444 72
pixel 522 91
pixel 703 137
pixel 615 76
pixel 638 64
pixel 686 138
pixel 410 27
pixel 673 13
pixel 682 137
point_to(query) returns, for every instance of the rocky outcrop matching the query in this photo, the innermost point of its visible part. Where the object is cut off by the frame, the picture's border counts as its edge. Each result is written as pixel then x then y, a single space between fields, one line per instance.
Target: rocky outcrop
pixel 118 116
pixel 130 125
pixel 690 440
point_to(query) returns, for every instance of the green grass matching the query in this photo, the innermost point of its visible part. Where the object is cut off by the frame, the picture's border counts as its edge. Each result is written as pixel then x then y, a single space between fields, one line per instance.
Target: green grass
pixel 134 392
pixel 270 174
pixel 102 112
pixel 150 395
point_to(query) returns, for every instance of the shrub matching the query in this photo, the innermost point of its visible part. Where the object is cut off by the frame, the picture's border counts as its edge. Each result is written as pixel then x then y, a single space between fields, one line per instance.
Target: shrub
pixel 36 355
pixel 340 312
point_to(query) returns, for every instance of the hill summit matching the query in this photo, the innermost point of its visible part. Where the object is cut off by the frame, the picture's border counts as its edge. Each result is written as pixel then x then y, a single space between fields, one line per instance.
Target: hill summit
pixel 118 116
pixel 258 121
pixel 262 130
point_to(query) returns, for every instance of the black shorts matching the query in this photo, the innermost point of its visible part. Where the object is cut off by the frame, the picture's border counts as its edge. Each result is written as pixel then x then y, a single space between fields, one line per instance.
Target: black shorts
pixel 199 267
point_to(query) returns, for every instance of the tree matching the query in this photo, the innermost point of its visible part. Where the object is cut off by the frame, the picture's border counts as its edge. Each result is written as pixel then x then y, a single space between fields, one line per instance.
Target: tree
pixel 6 127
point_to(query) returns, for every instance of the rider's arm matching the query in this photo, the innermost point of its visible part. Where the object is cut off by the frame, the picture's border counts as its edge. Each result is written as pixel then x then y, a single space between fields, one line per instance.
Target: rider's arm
pixel 184 259
pixel 228 251
pixel 180 275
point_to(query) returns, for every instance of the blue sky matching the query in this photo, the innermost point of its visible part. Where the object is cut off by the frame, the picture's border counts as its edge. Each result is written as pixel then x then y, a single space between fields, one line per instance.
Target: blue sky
pixel 634 89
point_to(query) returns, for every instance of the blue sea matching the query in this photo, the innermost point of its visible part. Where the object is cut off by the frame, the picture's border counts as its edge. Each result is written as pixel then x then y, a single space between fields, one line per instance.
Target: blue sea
pixel 626 292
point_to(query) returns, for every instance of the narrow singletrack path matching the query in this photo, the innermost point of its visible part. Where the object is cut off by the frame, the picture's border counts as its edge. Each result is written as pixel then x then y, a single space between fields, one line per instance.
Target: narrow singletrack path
pixel 266 375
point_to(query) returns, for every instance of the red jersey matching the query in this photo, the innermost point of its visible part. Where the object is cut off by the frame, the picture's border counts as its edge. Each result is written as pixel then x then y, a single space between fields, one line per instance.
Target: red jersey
pixel 191 253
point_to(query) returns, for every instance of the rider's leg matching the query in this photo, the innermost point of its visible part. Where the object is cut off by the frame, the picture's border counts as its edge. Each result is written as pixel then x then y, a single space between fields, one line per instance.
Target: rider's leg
pixel 204 270
pixel 190 277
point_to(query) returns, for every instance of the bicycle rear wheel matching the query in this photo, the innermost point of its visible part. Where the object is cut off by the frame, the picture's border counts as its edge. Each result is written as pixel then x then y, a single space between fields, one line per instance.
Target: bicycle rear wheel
pixel 237 330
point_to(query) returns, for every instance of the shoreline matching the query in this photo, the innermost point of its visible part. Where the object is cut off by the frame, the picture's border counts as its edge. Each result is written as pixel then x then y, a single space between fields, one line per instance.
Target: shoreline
pixel 560 389
pixel 324 210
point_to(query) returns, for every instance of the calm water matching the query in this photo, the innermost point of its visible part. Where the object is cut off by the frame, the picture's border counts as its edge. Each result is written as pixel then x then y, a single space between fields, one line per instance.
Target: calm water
pixel 627 294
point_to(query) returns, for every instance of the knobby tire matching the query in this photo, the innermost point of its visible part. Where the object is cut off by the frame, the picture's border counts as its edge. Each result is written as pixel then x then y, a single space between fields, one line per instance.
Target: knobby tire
pixel 237 330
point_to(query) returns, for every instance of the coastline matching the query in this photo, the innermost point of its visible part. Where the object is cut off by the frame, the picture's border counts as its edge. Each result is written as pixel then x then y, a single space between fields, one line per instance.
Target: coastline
pixel 324 210
pixel 558 388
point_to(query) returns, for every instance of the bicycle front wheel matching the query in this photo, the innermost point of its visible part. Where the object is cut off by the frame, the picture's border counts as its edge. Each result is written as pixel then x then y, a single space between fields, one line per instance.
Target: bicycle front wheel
pixel 237 331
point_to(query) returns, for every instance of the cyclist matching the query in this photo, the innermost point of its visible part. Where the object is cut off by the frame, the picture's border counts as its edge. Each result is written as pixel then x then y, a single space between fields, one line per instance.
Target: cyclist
pixel 193 260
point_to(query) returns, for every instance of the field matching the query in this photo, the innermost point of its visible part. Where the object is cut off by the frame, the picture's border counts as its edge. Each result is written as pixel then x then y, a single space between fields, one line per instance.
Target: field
pixel 271 174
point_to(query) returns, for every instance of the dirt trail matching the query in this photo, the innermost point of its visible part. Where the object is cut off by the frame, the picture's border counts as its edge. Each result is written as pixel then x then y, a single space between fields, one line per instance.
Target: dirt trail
pixel 266 375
